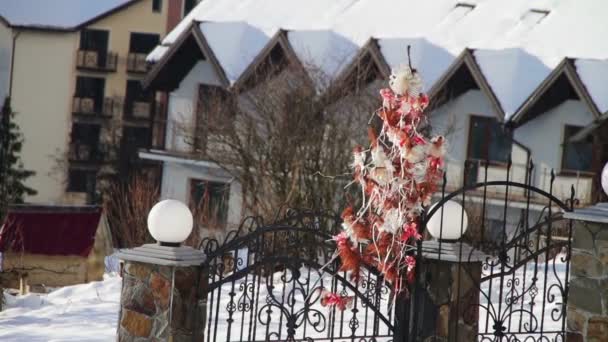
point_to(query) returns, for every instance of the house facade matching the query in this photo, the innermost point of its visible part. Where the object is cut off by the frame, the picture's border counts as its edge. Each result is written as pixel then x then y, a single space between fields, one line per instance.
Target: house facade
pixel 509 92
pixel 73 72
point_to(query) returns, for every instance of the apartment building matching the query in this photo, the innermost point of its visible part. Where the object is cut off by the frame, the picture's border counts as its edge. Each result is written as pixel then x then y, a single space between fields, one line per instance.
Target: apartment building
pixel 73 70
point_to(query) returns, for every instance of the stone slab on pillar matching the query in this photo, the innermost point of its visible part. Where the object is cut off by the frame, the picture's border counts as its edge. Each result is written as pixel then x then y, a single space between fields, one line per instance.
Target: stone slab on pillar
pixel 159 297
pixel 587 312
pixel 448 292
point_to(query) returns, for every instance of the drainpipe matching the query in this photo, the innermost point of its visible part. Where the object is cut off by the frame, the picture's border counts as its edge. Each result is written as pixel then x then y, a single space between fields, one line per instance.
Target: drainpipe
pixel 10 80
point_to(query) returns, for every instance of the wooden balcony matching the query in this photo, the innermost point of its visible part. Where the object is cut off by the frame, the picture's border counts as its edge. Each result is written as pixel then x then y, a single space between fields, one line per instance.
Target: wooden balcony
pixel 95 61
pixel 136 63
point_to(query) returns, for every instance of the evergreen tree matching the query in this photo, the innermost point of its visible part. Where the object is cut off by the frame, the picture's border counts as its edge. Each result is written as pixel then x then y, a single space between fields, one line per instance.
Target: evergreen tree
pixel 12 172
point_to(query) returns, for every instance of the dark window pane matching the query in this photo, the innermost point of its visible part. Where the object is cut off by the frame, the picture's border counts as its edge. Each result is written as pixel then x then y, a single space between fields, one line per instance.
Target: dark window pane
pixel 87 134
pixel 488 140
pixel 94 40
pixel 189 5
pixel 81 181
pixel 135 93
pixel 210 202
pixel 157 5
pixel 577 156
pixel 134 138
pixel 91 87
pixel 143 42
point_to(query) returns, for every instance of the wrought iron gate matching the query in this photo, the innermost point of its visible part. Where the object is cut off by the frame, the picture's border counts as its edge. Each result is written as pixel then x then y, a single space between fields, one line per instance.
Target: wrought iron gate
pixel 266 281
pixel 520 287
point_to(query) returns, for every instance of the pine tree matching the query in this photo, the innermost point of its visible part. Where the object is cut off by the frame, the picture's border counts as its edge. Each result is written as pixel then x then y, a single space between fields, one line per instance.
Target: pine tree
pixel 12 172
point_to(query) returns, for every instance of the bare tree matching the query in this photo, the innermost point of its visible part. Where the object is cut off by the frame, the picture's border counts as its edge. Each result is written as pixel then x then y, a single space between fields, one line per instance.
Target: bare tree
pixel 283 139
pixel 126 206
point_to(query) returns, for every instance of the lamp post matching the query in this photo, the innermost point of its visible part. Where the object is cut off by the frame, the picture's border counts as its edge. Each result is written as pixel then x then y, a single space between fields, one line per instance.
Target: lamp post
pixel 450 269
pixel 449 222
pixel 162 282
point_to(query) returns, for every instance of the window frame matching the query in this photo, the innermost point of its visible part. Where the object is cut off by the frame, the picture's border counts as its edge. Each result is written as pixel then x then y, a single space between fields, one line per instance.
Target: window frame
pixel 491 162
pixel 157 6
pixel 565 136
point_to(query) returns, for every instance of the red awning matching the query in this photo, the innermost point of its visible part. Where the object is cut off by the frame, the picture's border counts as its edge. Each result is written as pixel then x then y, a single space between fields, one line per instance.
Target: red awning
pixel 50 230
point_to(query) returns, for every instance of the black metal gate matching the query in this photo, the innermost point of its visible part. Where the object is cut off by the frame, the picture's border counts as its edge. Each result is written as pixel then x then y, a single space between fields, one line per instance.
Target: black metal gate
pixel 519 290
pixel 266 282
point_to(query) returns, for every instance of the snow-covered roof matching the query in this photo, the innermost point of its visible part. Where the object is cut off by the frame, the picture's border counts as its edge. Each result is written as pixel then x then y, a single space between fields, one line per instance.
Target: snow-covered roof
pixel 517 42
pixel 235 44
pixel 326 50
pixel 594 75
pixel 56 14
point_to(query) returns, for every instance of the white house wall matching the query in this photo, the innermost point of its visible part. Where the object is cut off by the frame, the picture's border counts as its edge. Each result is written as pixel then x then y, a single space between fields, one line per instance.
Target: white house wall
pixel 452 120
pixel 544 136
pixel 182 105
pixel 176 185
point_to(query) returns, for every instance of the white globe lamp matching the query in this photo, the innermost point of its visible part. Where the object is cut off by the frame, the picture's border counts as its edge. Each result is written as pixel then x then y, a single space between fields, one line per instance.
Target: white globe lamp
pixel 170 222
pixel 605 179
pixel 454 225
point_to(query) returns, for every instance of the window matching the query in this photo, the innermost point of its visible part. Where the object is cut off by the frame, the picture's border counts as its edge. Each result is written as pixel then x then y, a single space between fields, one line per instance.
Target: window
pixel 488 140
pixel 135 93
pixel 209 201
pixel 91 87
pixel 87 134
pixel 135 138
pixel 94 40
pixel 214 113
pixel 189 5
pixel 576 156
pixel 143 42
pixel 81 181
pixel 157 6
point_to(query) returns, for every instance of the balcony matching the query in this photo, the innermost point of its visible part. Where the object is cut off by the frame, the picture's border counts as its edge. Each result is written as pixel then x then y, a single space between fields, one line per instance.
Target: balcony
pixel 88 107
pixel 80 152
pixel 89 60
pixel 136 63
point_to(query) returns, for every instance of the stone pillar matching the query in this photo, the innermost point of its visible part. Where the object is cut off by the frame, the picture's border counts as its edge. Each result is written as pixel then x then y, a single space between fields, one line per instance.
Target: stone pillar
pixel 160 298
pixel 447 293
pixel 587 313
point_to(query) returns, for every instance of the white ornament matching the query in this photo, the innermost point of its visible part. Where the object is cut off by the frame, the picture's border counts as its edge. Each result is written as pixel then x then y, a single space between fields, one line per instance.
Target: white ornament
pixel 403 81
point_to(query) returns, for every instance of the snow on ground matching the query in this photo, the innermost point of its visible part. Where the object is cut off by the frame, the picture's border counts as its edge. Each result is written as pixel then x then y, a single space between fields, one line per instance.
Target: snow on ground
pixel 86 312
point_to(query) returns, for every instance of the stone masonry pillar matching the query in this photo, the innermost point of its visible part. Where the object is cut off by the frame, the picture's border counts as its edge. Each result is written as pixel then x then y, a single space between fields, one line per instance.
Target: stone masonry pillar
pixel 159 298
pixel 447 293
pixel 587 312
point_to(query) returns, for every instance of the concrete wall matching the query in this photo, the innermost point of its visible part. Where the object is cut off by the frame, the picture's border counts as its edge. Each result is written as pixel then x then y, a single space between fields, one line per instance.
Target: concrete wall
pixel 137 18
pixel 43 84
pixel 6 48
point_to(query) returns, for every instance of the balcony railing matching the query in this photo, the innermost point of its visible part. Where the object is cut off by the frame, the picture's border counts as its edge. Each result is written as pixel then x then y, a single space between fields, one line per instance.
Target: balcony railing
pixel 136 63
pixel 80 152
pixel 96 61
pixel 88 106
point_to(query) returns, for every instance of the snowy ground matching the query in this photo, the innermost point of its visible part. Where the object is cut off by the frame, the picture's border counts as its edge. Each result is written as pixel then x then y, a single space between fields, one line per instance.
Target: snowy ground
pixel 89 312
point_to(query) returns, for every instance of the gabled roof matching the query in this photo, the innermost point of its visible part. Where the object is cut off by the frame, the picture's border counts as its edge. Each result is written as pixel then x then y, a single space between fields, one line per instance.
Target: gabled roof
pixel 368 59
pixel 462 75
pixel 58 15
pixel 187 50
pixel 430 60
pixel 563 83
pixel 277 51
pixel 324 53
